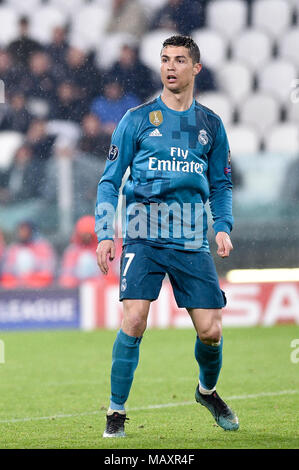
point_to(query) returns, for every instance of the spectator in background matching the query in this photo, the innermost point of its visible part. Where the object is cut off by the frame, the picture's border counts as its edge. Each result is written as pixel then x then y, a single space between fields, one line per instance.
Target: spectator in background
pixel 30 261
pixel 79 261
pixel 67 105
pixel 182 16
pixel 83 172
pixel 17 117
pixel 9 73
pixel 21 181
pixel 39 83
pixel 24 46
pixel 41 142
pixel 113 104
pixel 134 76
pixel 57 50
pixel 94 140
pixel 81 70
pixel 127 16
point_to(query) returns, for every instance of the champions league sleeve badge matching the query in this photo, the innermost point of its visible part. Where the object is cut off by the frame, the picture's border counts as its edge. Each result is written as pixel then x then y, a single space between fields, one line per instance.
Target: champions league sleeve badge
pixel 113 153
pixel 227 169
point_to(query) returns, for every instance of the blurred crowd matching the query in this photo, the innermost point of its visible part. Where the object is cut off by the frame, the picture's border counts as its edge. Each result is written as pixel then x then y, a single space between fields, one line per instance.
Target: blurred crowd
pixel 31 261
pixel 66 107
pixel 63 105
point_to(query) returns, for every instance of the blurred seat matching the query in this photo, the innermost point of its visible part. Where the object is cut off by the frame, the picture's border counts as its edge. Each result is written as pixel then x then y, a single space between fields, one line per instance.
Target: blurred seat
pixel 44 20
pixel 150 8
pixel 227 16
pixel 68 7
pixel 292 108
pixel 213 47
pixel 69 130
pixel 261 110
pixel 282 138
pixel 10 141
pixel 235 79
pixel 151 45
pixel 8 24
pixel 276 77
pixel 294 4
pixel 24 8
pixel 112 43
pixel 253 47
pixel 90 23
pixel 288 45
pixel 219 103
pixel 243 139
pixel 274 16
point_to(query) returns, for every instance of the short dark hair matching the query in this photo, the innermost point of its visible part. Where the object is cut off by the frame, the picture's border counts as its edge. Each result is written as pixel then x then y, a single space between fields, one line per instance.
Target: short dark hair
pixel 184 41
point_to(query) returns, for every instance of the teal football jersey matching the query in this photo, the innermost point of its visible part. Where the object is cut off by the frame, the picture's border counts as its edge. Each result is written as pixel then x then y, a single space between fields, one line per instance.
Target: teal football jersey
pixel 178 161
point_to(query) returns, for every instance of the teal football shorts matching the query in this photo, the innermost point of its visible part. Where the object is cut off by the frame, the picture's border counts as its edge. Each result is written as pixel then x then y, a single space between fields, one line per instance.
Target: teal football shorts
pixel 192 275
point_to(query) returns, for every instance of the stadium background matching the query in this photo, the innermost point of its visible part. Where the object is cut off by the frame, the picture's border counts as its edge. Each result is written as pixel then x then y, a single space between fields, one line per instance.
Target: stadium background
pixel 59 102
pixel 69 71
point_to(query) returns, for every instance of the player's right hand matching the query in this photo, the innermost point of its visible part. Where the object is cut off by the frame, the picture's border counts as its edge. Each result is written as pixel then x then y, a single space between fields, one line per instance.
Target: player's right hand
pixel 105 248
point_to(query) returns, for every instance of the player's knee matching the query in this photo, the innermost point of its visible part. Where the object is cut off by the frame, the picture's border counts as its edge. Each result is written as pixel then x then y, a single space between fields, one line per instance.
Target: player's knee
pixel 136 324
pixel 134 321
pixel 211 335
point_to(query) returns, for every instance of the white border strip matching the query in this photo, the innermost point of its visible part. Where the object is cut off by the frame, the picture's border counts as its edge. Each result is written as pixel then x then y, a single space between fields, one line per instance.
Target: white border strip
pixel 87 307
pixel 149 407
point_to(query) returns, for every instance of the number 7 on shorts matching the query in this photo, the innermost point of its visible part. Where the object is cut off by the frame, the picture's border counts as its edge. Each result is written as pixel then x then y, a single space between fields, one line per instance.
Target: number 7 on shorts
pixel 130 257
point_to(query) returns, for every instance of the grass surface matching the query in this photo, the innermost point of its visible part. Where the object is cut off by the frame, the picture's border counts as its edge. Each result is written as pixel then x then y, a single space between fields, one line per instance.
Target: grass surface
pixel 55 388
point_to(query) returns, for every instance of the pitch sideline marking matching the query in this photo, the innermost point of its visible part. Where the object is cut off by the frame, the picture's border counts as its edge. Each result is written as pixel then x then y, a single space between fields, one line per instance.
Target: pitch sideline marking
pixel 149 407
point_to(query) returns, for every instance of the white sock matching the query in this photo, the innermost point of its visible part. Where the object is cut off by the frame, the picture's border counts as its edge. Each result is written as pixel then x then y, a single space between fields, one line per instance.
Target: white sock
pixel 205 391
pixel 110 412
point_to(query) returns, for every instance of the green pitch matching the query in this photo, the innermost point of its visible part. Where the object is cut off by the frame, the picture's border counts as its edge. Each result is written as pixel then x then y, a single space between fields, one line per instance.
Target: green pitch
pixel 54 389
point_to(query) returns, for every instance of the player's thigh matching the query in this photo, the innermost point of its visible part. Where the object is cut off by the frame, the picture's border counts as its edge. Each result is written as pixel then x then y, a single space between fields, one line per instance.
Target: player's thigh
pixel 207 323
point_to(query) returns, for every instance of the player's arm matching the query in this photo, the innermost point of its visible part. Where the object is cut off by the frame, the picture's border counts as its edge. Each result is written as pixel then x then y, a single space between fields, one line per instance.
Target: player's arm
pixel 119 159
pixel 219 176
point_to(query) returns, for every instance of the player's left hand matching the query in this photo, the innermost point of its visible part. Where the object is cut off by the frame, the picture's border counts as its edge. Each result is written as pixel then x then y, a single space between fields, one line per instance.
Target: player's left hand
pixel 224 244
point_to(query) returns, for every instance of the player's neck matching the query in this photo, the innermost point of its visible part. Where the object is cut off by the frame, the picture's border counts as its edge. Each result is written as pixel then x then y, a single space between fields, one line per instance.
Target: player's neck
pixel 177 101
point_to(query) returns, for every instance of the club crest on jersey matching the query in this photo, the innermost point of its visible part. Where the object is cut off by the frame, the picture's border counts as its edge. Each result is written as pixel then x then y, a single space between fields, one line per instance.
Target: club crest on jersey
pixel 156 118
pixel 203 137
pixel 113 153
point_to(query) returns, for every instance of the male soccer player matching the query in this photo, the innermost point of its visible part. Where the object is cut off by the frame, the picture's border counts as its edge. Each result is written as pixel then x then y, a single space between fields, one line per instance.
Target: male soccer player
pixel 178 155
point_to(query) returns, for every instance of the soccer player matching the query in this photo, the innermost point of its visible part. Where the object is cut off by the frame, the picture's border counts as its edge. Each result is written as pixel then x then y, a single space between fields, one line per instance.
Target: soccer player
pixel 178 155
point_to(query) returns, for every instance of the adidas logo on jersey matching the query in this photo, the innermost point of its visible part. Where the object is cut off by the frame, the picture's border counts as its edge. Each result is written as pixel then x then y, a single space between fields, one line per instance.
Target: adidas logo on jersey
pixel 155 133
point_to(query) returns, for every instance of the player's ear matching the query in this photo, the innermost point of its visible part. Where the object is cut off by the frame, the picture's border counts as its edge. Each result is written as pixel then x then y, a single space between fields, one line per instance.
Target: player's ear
pixel 197 68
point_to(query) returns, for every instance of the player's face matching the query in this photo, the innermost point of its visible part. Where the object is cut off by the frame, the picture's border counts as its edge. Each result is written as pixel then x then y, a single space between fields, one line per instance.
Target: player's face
pixel 177 69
